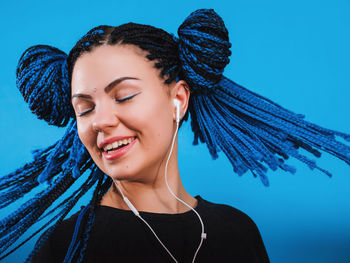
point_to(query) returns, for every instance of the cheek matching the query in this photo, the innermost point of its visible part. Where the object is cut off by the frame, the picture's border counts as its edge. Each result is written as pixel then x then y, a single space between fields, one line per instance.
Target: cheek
pixel 151 114
pixel 154 122
pixel 85 133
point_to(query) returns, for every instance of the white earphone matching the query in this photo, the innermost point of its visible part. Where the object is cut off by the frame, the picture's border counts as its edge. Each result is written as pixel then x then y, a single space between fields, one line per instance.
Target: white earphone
pixel 134 210
pixel 177 105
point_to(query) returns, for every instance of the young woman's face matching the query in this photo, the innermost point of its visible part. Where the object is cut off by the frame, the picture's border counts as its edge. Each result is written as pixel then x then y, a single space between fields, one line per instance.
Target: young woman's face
pixel 119 97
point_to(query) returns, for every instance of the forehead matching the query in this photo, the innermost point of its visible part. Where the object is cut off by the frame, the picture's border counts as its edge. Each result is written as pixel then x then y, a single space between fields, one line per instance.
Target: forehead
pixel 105 63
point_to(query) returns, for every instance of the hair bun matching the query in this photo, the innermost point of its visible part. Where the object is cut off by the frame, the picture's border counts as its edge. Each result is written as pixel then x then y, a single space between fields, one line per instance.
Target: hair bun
pixel 204 49
pixel 42 78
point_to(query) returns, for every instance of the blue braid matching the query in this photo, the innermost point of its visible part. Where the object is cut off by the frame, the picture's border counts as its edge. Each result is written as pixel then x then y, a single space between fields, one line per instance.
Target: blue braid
pixel 68 205
pixel 42 78
pixel 19 221
pixel 74 251
pixel 77 248
pixel 248 128
pixel 102 187
pixel 75 234
pixel 251 131
pixel 64 161
pixel 204 49
pixel 96 201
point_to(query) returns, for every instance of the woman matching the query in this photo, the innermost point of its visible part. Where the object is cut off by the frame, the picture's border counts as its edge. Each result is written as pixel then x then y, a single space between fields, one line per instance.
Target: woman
pixel 123 91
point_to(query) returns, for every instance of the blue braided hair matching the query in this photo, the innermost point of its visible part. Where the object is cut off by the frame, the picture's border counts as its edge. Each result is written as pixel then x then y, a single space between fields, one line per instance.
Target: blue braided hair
pixel 254 132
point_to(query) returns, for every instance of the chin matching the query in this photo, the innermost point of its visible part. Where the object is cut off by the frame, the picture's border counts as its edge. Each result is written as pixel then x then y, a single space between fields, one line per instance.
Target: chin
pixel 119 174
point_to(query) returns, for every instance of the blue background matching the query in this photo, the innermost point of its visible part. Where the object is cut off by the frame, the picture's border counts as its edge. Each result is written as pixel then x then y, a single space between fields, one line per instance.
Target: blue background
pixel 295 53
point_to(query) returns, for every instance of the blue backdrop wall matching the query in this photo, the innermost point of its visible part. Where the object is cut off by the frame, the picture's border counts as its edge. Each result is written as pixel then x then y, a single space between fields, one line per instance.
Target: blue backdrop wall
pixel 293 52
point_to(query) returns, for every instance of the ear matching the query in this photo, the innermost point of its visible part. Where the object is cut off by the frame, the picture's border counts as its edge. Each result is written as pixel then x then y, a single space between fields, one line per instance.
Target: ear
pixel 181 92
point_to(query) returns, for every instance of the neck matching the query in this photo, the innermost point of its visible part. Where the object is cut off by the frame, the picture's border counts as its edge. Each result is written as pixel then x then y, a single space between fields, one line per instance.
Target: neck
pixel 153 196
pixel 147 199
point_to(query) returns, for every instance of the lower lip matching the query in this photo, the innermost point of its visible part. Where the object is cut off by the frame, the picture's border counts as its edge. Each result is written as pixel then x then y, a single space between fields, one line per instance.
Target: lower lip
pixel 120 152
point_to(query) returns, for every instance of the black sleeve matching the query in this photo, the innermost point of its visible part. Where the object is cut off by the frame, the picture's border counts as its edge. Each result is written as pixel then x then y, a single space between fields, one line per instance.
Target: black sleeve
pixel 45 253
pixel 56 246
pixel 237 237
pixel 259 253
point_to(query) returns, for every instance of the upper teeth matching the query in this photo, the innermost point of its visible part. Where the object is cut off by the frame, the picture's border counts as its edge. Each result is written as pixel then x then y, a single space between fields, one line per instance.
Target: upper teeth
pixel 116 144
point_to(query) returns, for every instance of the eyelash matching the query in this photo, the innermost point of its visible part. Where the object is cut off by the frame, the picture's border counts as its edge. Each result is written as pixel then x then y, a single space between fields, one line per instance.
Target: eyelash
pixel 126 98
pixel 119 101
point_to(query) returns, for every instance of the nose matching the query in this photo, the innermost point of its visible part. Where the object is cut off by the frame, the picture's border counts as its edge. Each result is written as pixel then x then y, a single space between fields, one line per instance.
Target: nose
pixel 104 118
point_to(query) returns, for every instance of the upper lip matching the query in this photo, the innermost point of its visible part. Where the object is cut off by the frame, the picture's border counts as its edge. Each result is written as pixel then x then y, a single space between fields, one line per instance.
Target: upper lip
pixel 112 139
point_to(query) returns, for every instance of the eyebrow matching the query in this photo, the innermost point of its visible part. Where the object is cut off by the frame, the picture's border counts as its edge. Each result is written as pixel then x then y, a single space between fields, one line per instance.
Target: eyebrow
pixel 107 89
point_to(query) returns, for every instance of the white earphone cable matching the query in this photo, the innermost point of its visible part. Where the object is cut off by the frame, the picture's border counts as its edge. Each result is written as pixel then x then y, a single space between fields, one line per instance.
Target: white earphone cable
pixel 129 204
pixel 134 210
pixel 203 234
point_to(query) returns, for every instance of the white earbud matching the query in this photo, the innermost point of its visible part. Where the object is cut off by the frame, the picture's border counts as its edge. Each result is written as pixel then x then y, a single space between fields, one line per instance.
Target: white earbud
pixel 177 105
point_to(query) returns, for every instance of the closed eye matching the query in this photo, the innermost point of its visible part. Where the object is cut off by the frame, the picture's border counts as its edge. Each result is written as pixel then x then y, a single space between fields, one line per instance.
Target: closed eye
pixel 80 114
pixel 85 112
pixel 126 98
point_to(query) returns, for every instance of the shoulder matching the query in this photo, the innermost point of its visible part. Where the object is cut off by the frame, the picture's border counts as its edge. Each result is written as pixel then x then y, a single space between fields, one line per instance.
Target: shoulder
pixel 53 247
pixel 226 220
pixel 224 212
pixel 230 227
pixel 65 229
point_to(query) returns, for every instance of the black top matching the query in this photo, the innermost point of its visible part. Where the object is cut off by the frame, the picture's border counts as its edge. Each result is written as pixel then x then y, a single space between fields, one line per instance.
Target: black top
pixel 119 236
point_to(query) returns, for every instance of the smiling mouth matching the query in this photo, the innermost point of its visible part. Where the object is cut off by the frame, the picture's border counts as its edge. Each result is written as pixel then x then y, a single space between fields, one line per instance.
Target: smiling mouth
pixel 117 145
